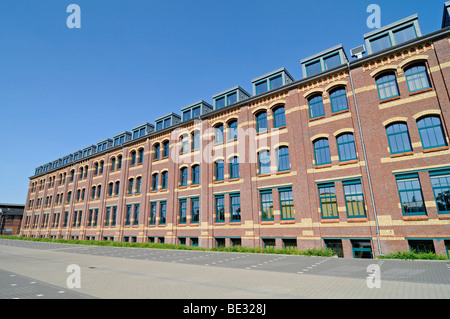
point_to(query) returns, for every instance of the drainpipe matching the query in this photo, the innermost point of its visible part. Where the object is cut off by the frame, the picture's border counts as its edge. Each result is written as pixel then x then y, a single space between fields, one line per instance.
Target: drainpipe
pixel 365 159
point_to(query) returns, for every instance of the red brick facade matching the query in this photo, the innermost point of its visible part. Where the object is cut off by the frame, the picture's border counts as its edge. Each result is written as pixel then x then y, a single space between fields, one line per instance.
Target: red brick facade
pixel 384 225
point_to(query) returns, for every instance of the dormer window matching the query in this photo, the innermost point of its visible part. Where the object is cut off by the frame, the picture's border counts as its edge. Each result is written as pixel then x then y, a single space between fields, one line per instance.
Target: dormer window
pixel 229 97
pixel 393 34
pixel 271 81
pixel 324 61
pixel 167 120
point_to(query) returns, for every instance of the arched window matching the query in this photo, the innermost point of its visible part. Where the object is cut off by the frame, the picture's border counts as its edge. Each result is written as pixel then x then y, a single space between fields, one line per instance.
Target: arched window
pixel 119 162
pixel 140 156
pixel 166 149
pixel 95 168
pixel 346 147
pixel 316 108
pixel 417 78
pixel 113 164
pixel 183 176
pixel 154 181
pixel 130 185
pixel 398 138
pixel 93 192
pixel 232 130
pixel 133 157
pixel 431 132
pixel 196 174
pixel 164 179
pixel 101 167
pixel 279 118
pixel 283 159
pixel 338 98
pixel 110 189
pixel 138 185
pixel 387 86
pixel 99 191
pixel 156 151
pixel 195 140
pixel 184 139
pixel 264 162
pixel 116 191
pixel 218 129
pixel 234 167
pixel 261 122
pixel 219 170
pixel 322 151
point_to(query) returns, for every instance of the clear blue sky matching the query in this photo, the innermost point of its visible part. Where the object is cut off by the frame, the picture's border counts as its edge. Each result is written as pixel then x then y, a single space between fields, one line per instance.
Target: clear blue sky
pixel 132 61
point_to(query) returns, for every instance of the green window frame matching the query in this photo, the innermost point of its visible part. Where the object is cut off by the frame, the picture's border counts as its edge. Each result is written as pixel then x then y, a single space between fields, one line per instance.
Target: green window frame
pixel 354 199
pixel 166 149
pixel 183 210
pixel 235 207
pixel 164 179
pixel 322 153
pixel 155 182
pixel 346 147
pixel 316 108
pixel 440 182
pixel 156 150
pixel 153 206
pixel 264 162
pixel 417 78
pixel 130 186
pixel 162 212
pixel 283 162
pixel 431 132
pixel 328 201
pixel 220 208
pixel 133 157
pixel 140 156
pixel 136 214
pixel 233 130
pixel 398 138
pixel 128 215
pixel 218 133
pixel 266 205
pixel 338 99
pixel 219 170
pixel 279 116
pixel 234 167
pixel 138 185
pixel 261 122
pixel 195 140
pixel 286 203
pixel 183 176
pixel 196 174
pixel 410 193
pixel 387 86
pixel 195 210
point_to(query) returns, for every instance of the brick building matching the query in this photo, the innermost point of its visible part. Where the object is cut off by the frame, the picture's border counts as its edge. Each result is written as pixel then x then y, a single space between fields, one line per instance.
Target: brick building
pixel 354 156
pixel 10 218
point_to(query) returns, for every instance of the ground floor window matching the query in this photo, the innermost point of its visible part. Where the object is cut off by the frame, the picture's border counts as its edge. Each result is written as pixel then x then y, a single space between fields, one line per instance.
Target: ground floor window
pixel 290 243
pixel 335 245
pixel 235 242
pixel 362 249
pixel 220 242
pixel 269 243
pixel 421 246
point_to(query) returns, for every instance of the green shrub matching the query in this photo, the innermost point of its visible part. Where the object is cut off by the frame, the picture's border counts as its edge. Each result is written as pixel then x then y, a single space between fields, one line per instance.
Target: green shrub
pixel 240 249
pixel 411 255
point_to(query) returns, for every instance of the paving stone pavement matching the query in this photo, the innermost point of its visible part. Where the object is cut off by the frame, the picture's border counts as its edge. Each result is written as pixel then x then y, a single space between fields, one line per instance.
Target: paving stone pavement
pixel 203 274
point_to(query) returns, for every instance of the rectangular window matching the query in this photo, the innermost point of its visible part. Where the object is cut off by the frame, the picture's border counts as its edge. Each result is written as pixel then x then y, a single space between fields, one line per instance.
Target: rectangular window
pixel 275 82
pixel 166 122
pixel 404 34
pixel 335 245
pixel 328 203
pixel 354 199
pixel 163 180
pixel 441 190
pixel 332 61
pixel 289 243
pixel 152 213
pixel 195 210
pixel 380 43
pixel 195 175
pixel 159 125
pixel 269 243
pixel 162 212
pixel 266 205
pixel 313 68
pixel 196 112
pixel 410 193
pixel 107 216
pixel 261 87
pixel 220 102
pixel 231 98
pixel 128 215
pixel 235 207
pixel 183 205
pixel 186 115
pixel 220 208
pixel 136 214
pixel 286 204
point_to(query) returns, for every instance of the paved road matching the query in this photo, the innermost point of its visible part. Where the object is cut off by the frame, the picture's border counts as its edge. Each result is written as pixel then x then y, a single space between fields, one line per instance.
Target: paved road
pixel 39 270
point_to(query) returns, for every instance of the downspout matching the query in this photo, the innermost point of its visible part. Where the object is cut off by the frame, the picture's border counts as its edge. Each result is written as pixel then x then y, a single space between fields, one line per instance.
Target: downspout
pixel 365 159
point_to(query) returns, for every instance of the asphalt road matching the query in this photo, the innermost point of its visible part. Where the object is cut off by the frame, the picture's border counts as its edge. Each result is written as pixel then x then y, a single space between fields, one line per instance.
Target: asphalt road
pixel 40 270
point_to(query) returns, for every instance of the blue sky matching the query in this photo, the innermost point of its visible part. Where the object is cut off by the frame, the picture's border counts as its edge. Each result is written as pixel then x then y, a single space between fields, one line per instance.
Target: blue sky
pixel 132 61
